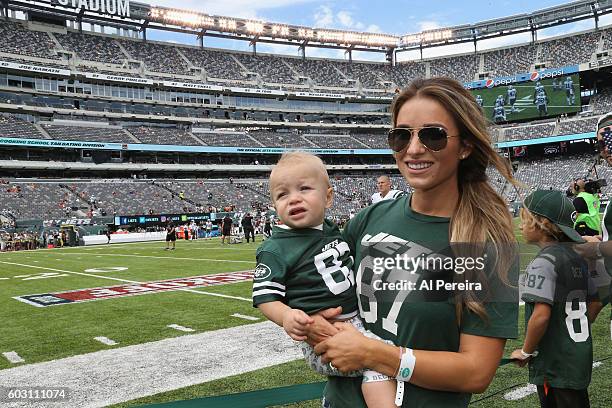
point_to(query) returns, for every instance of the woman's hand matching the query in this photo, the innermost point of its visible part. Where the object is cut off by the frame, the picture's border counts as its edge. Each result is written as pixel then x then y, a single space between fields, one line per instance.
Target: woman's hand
pixel 345 350
pixel 521 360
pixel 321 328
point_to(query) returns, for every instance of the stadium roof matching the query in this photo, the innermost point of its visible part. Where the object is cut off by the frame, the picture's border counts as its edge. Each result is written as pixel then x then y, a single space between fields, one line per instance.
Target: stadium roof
pixel 141 16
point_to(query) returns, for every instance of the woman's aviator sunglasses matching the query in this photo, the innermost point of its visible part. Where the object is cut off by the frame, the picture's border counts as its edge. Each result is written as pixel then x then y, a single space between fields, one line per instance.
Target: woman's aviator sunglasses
pixel 432 137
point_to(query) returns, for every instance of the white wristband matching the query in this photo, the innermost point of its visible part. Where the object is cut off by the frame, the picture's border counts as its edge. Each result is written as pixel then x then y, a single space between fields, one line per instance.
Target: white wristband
pixel 527 355
pixel 406 366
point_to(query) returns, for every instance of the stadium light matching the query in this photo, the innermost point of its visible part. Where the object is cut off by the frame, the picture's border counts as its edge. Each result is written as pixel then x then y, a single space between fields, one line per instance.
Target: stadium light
pixel 227 24
pixel 182 17
pixel 426 37
pixel 306 34
pixel 185 18
pixel 279 30
pixel 254 27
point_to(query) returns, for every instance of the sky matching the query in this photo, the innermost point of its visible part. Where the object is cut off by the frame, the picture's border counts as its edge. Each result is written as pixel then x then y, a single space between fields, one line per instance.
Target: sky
pixel 390 17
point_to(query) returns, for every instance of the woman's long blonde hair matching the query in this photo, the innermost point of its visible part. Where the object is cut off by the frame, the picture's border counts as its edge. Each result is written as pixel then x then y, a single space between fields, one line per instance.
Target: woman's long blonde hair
pixel 481 216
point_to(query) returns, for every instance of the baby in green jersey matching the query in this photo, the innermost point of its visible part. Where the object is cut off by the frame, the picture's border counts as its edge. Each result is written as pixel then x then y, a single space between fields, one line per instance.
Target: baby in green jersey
pixel 556 290
pixel 306 267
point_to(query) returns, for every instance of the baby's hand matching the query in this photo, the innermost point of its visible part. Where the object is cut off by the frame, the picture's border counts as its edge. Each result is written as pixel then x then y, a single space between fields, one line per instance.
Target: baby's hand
pixel 295 323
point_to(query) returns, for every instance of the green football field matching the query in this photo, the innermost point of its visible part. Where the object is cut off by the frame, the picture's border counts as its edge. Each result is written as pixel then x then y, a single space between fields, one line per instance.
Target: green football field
pixel 54 333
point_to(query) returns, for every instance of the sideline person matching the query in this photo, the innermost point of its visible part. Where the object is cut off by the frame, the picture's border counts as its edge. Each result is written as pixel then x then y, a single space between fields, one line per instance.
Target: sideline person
pixel 226 229
pixel 448 347
pixel 599 247
pixel 383 183
pixel 170 236
pixel 555 288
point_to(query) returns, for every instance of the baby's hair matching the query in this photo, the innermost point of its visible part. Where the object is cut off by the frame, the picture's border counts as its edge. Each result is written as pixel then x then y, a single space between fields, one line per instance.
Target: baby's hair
pixel 296 157
pixel 543 224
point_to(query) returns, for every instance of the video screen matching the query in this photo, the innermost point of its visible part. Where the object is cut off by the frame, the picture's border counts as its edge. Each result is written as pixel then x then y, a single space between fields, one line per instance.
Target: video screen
pixel 530 100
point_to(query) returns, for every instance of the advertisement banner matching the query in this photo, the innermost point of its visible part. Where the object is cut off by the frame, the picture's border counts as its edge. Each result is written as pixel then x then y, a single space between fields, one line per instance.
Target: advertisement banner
pixel 116 78
pixel 258 91
pixel 519 151
pixel 320 95
pixel 157 219
pixel 177 148
pixel 551 149
pixel 34 68
pixel 119 8
pixel 187 85
pixel 529 76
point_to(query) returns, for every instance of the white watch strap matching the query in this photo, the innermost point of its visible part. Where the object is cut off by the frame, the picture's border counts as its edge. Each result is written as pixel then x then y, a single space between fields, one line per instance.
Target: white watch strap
pixel 527 355
pixel 399 393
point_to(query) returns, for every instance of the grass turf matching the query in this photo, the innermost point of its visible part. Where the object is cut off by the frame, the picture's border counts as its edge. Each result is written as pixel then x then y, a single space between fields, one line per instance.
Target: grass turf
pixel 43 334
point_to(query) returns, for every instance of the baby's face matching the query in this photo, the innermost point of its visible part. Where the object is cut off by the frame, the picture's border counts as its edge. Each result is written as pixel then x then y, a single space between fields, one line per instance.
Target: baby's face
pixel 300 194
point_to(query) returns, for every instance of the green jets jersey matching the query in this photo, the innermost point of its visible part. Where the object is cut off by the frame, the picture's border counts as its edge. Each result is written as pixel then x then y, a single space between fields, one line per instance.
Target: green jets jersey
pixel 559 277
pixel 409 318
pixel 308 269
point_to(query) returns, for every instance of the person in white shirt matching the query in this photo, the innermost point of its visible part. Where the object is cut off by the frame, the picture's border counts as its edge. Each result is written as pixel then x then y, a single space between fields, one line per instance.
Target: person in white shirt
pixel 384 190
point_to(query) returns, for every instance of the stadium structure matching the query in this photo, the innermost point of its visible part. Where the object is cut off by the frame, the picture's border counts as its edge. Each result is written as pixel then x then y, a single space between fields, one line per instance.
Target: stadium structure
pixel 85 95
pixel 102 127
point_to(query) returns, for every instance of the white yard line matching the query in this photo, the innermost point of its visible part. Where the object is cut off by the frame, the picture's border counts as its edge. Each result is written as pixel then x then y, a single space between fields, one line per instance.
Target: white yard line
pixel 125 373
pixel 126 280
pixel 106 340
pixel 245 317
pixel 71 272
pixel 123 244
pixel 161 257
pixel 520 393
pixel 181 328
pixel 13 357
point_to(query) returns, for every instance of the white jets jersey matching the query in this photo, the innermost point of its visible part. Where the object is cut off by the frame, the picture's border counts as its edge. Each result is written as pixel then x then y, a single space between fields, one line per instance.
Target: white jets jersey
pixel 391 195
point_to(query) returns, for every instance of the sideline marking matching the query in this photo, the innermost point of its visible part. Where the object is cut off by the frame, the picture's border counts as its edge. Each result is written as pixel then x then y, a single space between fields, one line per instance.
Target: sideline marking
pixel 181 328
pixel 106 340
pixel 146 369
pixel 163 257
pixel 64 271
pixel 520 393
pixel 106 269
pixel 13 357
pixel 245 317
pixel 125 281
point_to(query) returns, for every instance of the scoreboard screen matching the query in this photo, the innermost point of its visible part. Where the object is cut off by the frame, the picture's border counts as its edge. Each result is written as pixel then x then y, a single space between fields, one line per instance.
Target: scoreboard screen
pixel 545 98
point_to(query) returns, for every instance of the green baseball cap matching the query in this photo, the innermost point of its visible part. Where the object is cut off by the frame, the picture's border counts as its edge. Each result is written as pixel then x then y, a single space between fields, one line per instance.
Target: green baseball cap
pixel 605 120
pixel 553 205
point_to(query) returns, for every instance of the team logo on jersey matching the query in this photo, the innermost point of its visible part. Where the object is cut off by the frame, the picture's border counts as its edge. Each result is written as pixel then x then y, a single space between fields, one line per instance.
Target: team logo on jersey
pixel 262 271
pixel 534 76
pixel 574 216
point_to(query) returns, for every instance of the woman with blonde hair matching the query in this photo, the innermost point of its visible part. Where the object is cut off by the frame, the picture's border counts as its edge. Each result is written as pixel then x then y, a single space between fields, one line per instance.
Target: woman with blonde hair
pixel 448 339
